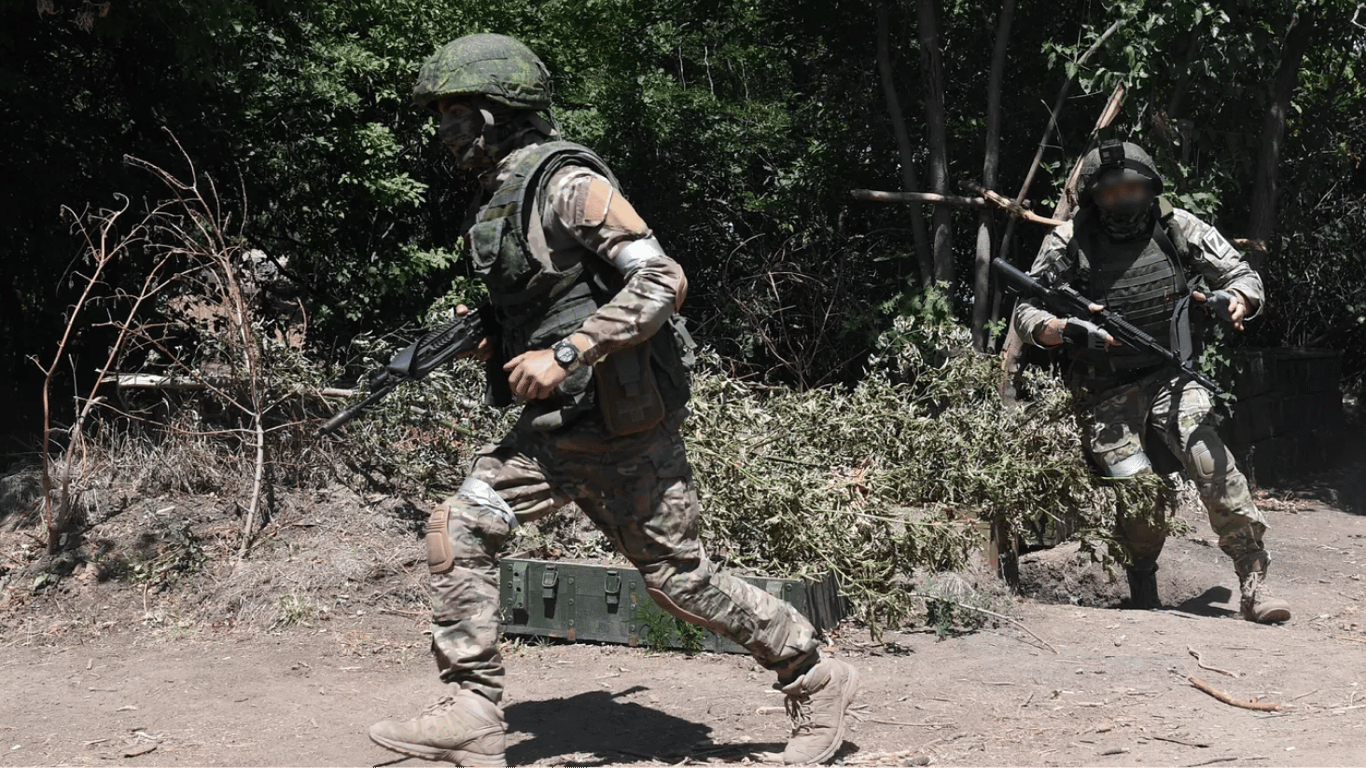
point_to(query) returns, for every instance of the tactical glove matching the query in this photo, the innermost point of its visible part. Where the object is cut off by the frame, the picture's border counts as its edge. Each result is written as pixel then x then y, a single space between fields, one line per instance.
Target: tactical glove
pixel 1085 334
pixel 1221 304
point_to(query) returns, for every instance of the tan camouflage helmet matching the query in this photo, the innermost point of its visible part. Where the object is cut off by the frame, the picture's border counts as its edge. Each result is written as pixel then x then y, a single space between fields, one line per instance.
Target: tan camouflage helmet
pixel 494 66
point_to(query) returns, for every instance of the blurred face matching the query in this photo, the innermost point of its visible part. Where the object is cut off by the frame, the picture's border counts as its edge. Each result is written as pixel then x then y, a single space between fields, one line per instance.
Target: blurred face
pixel 1121 195
pixel 461 127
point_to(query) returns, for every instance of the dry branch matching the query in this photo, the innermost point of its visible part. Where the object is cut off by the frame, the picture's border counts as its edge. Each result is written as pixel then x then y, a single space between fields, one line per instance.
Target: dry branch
pixel 1010 206
pixel 987 199
pixel 878 196
pixel 1258 706
pixel 1201 663
pixel 985 612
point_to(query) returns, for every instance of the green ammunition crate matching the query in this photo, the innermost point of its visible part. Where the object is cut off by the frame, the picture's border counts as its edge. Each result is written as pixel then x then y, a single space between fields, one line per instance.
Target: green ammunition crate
pixel 608 603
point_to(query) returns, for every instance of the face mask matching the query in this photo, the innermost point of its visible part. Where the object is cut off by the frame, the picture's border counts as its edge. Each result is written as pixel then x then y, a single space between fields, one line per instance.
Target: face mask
pixel 461 132
pixel 1126 220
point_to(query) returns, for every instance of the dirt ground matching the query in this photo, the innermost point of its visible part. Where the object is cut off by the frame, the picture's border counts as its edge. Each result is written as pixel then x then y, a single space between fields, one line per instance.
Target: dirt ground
pixel 83 684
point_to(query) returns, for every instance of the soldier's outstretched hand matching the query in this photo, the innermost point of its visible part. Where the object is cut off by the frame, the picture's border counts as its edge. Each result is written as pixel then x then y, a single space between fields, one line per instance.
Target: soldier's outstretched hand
pixel 1227 304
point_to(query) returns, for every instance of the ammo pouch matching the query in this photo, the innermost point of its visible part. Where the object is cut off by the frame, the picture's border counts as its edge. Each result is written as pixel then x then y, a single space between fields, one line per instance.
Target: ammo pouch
pixel 628 392
pixel 639 386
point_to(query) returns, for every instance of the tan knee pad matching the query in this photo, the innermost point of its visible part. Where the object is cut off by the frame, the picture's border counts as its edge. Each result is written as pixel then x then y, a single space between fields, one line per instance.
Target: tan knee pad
pixel 1208 456
pixel 673 608
pixel 440 553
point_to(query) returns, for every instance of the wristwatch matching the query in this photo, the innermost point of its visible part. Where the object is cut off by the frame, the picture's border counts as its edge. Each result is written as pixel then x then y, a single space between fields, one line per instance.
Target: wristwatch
pixel 567 355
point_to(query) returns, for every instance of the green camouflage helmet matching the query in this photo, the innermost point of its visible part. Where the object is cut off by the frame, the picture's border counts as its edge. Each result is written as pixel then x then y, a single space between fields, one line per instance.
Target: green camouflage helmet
pixel 494 66
pixel 1113 161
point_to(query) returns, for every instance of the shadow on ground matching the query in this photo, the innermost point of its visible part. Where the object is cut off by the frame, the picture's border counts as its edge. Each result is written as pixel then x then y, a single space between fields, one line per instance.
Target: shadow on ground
pixel 599 723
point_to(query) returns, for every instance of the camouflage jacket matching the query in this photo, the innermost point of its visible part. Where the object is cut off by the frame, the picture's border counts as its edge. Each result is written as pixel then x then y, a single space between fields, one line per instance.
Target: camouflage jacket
pixel 1217 261
pixel 579 212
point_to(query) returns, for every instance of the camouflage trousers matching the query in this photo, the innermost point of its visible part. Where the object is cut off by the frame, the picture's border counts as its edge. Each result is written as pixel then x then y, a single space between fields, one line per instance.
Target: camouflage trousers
pixel 1179 413
pixel 638 490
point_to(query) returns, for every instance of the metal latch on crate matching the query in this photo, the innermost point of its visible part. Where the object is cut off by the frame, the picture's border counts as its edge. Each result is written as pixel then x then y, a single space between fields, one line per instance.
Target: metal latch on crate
pixel 612 588
pixel 550 579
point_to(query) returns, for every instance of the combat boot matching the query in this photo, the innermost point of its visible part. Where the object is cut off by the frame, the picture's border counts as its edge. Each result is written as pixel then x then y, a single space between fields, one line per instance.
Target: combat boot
pixel 1257 604
pixel 465 729
pixel 1143 588
pixel 817 703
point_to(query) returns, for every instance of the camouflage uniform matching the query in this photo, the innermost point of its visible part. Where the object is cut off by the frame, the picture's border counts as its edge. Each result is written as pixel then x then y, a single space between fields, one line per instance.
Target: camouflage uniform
pixel 638 489
pixel 580 294
pixel 1119 413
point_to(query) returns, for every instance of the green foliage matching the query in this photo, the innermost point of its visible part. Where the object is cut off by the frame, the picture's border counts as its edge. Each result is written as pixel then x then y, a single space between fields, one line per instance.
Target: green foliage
pixel 875 481
pixel 662 631
pixel 738 130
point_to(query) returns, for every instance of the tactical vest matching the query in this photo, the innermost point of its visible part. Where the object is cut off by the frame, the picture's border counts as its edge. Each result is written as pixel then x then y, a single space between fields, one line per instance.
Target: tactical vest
pixel 1143 280
pixel 535 307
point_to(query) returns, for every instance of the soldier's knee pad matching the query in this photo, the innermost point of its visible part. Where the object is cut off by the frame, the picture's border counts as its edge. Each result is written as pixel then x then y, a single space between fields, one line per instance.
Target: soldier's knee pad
pixel 1208 458
pixel 440 553
pixel 475 512
pixel 673 588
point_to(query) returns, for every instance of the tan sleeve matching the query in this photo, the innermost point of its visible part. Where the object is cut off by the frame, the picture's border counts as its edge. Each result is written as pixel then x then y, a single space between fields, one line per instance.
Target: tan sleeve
pixel 1219 262
pixel 600 218
pixel 1029 317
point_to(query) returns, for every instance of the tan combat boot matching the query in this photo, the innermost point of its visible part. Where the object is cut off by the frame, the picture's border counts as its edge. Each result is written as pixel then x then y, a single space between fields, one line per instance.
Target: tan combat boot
pixel 465 729
pixel 1258 605
pixel 817 702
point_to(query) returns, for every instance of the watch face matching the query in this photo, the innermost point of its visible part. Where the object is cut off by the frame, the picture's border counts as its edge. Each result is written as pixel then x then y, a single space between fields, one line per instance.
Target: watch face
pixel 565 354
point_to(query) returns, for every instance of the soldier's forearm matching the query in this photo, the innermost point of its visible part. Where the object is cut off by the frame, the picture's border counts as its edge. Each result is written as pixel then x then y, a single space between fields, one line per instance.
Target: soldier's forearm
pixel 635 314
pixel 1050 333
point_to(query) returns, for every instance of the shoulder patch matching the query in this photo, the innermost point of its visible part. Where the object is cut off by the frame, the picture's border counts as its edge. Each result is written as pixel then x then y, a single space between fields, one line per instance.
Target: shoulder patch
pixel 1213 242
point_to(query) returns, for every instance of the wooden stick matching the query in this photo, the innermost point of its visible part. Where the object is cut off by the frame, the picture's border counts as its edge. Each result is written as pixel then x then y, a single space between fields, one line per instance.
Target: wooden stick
pixel 1199 662
pixel 1257 706
pixel 877 196
pixel 1197 744
pixel 993 614
pixel 153 381
pixel 1058 104
pixel 1010 206
pixel 1067 200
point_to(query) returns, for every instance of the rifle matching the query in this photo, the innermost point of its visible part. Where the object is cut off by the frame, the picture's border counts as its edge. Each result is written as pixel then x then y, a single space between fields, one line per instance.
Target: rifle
pixel 1064 301
pixel 433 350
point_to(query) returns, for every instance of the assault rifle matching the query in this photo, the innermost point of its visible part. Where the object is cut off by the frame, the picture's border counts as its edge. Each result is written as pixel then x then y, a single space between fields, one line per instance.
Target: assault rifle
pixel 1063 301
pixel 435 349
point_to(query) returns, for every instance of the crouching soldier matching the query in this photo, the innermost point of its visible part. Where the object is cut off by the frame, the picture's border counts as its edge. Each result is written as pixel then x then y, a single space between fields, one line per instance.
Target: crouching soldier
pixel 1130 251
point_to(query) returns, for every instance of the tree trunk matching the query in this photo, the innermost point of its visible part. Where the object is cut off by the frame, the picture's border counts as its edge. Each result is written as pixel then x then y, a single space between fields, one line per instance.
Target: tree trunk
pixel 932 74
pixel 909 182
pixel 1263 218
pixel 981 289
pixel 1014 346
